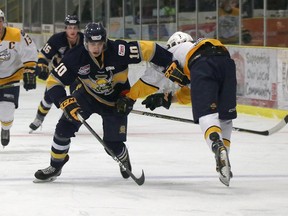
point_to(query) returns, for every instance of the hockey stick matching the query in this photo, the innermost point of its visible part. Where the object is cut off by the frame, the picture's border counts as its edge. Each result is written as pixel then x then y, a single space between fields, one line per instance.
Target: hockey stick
pixel 270 131
pixel 9 85
pixel 140 180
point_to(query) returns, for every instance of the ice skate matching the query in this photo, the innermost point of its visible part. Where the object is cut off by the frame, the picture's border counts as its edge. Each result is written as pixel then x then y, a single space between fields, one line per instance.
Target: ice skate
pixel 5 137
pixel 36 123
pixel 222 160
pixel 49 174
pixel 125 160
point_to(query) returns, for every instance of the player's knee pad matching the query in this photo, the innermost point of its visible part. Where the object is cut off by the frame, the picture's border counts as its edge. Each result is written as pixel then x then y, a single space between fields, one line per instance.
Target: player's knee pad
pixel 65 128
pixel 7 110
pixel 116 147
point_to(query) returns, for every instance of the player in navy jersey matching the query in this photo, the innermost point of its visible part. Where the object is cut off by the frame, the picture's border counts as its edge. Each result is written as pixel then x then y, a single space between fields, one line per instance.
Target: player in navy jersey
pixel 52 52
pixel 101 66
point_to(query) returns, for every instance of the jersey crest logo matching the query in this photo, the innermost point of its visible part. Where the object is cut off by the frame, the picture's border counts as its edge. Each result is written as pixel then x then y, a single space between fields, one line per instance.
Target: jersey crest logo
pixel 121 50
pixel 5 55
pixel 84 70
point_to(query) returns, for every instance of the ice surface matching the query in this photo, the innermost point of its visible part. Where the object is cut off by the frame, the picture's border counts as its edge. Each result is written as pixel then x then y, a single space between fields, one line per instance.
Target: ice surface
pixel 180 169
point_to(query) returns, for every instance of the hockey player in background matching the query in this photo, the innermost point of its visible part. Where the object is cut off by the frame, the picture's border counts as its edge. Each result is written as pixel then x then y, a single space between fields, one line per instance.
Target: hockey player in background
pixel 18 57
pixel 52 52
pixel 213 92
pixel 101 65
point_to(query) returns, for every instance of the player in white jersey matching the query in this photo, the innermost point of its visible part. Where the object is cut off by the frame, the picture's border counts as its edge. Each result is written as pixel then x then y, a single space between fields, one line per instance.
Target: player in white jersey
pixel 213 92
pixel 18 57
pixel 153 80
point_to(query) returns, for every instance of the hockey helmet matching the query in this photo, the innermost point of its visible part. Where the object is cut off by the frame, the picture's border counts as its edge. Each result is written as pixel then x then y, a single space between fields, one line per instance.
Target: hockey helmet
pixel 94 32
pixel 177 38
pixel 71 20
pixel 2 15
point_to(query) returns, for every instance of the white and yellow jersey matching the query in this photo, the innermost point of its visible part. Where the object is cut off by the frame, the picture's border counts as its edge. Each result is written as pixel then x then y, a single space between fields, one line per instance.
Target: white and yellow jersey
pixel 153 79
pixel 17 51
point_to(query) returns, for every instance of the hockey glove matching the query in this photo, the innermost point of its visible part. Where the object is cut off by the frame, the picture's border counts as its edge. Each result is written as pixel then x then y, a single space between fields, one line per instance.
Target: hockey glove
pixel 42 70
pixel 124 105
pixel 70 108
pixel 157 100
pixel 29 78
pixel 175 74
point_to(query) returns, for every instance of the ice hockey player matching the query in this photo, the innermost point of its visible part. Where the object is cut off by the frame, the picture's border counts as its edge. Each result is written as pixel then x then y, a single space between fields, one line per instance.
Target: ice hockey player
pixel 101 65
pixel 213 92
pixel 52 52
pixel 18 57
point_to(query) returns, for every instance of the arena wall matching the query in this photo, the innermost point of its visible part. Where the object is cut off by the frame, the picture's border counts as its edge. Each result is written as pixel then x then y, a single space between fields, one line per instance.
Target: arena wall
pixel 262 78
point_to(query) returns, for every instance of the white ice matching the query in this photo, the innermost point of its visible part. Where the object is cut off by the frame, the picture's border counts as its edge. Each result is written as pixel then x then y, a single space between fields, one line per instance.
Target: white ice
pixel 180 169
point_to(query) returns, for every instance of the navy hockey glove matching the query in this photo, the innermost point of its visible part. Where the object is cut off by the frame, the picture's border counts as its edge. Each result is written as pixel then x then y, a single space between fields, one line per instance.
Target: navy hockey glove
pixel 124 105
pixel 29 78
pixel 70 108
pixel 42 69
pixel 175 74
pixel 157 100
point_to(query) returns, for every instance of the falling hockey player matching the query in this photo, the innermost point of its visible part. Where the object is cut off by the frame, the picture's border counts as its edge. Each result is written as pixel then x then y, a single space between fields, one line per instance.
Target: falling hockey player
pixel 213 92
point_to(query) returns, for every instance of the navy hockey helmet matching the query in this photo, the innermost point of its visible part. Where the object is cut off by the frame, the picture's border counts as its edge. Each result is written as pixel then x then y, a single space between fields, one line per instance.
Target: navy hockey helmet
pixel 71 20
pixel 94 32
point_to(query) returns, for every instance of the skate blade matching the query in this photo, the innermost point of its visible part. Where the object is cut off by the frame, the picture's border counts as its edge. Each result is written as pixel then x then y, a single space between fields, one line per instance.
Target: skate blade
pixel 225 172
pixel 224 180
pixel 44 181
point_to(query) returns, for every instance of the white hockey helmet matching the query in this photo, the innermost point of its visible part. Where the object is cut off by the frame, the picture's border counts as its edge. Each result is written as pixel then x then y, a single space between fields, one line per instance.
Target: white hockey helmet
pixel 2 15
pixel 177 38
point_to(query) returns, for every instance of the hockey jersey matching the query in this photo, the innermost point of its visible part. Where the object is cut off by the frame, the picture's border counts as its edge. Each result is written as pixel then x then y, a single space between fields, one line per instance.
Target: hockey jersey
pixel 153 79
pixel 17 51
pixel 56 47
pixel 107 78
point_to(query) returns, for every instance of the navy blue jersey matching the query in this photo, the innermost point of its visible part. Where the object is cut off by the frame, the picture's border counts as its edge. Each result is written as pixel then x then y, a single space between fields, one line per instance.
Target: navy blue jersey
pixel 57 46
pixel 107 76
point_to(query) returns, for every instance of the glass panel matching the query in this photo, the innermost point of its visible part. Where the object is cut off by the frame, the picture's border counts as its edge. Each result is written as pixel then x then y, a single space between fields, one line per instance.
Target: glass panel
pixel 47 17
pixel 228 21
pixel 14 11
pixel 247 15
pixel 149 20
pixel 167 21
pixel 116 21
pixel 206 19
pixel 187 17
pixel 277 23
pixel 73 7
pixel 86 13
pixel 27 16
pixel 47 13
pixel 100 11
pixel 35 16
pixel 59 15
pixel 253 22
pixel 132 27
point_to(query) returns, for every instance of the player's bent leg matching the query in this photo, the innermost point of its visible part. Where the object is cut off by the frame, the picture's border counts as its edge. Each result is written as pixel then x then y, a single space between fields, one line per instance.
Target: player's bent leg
pixel 43 109
pixel 222 159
